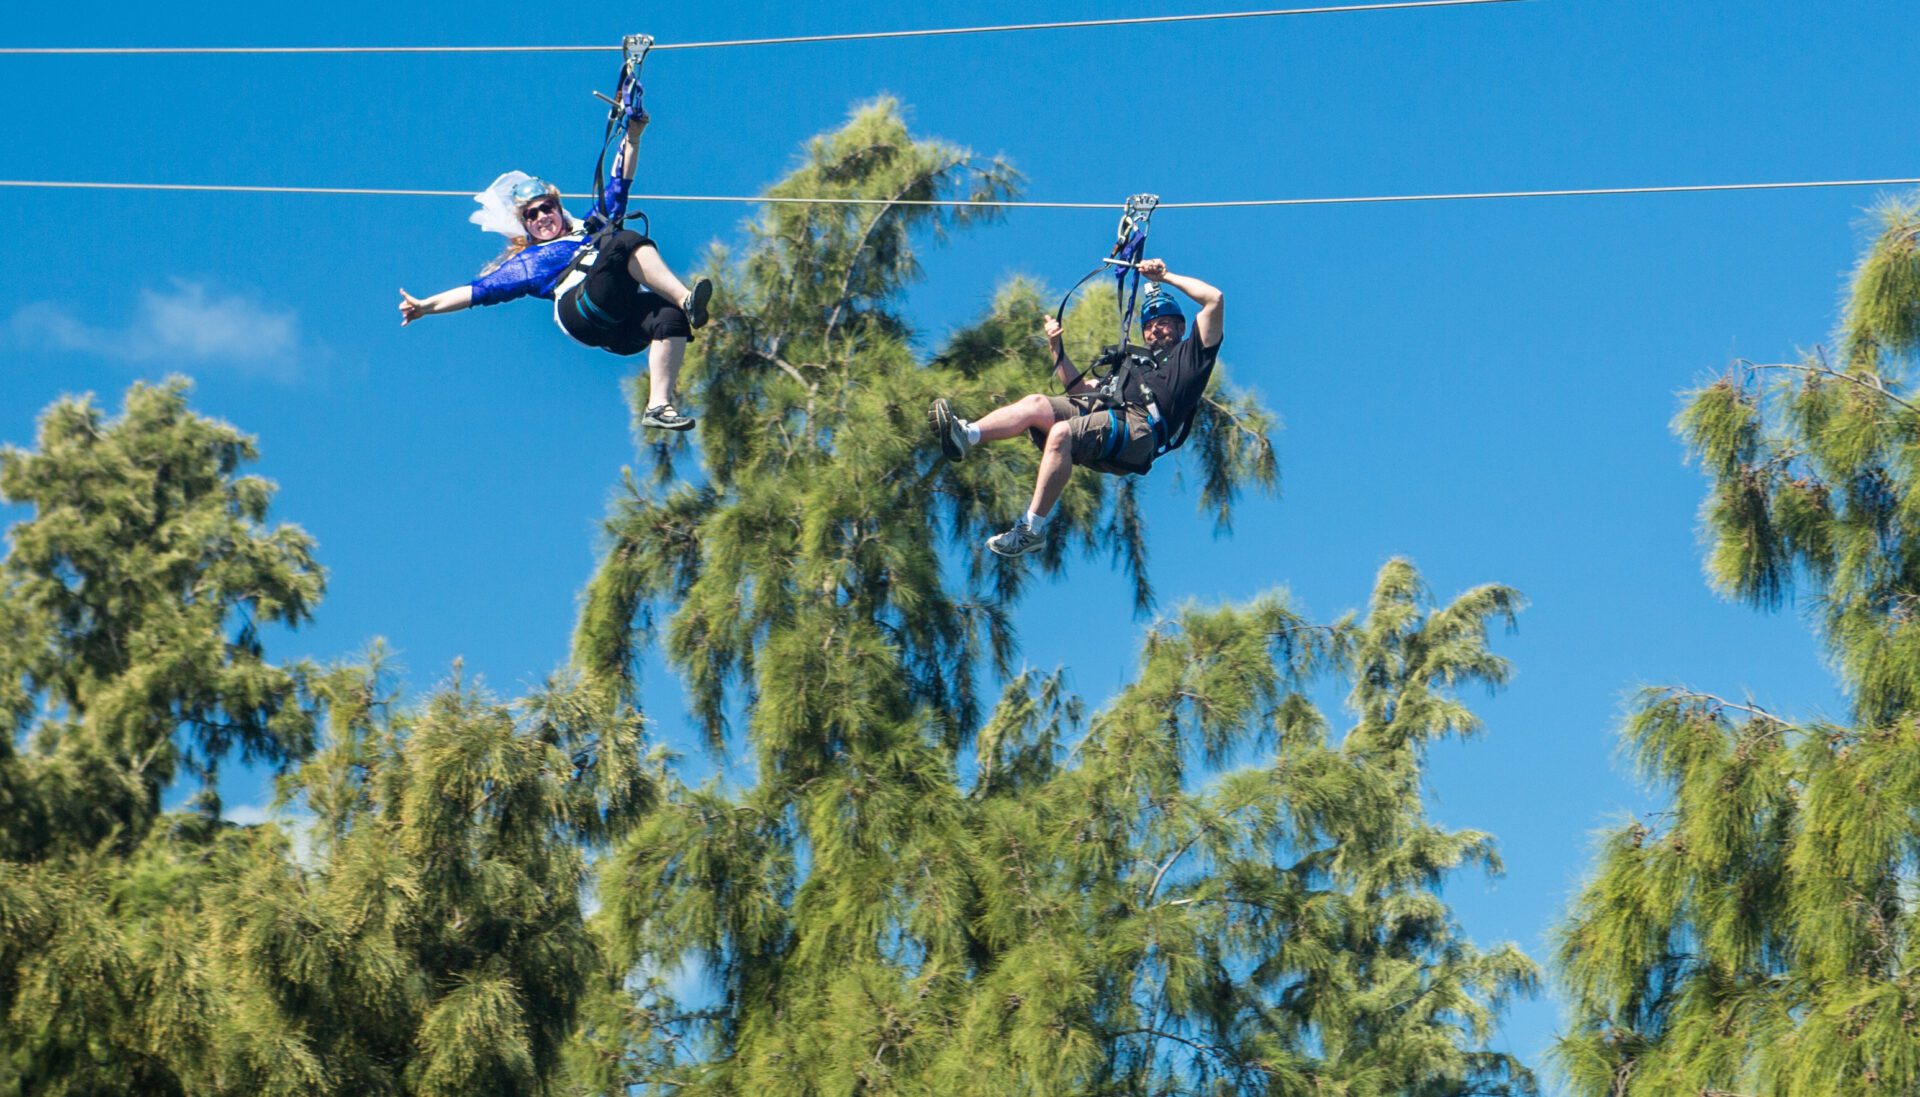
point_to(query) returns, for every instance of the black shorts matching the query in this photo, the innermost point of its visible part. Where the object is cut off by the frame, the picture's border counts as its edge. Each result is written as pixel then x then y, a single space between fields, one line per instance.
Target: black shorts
pixel 609 310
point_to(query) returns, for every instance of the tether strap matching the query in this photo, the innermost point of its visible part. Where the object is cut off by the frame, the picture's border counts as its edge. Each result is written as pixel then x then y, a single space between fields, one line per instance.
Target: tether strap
pixel 616 124
pixel 616 130
pixel 1130 252
pixel 1059 314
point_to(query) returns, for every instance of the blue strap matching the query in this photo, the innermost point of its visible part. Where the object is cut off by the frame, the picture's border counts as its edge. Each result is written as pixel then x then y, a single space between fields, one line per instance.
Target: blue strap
pixel 585 307
pixel 1116 433
pixel 1130 252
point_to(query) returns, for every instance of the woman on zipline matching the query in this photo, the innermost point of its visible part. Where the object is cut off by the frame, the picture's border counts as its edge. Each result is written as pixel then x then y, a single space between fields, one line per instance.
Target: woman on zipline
pixel 610 289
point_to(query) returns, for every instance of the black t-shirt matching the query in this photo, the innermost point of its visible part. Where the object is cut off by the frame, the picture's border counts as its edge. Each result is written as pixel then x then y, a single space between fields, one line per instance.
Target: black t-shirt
pixel 1177 379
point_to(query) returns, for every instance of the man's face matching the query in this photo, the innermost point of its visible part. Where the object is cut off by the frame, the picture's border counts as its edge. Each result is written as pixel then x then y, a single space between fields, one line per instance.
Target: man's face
pixel 1162 332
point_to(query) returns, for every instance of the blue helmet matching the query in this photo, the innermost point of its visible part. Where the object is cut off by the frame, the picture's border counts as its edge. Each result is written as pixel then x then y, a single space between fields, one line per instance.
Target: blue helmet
pixel 1157 305
pixel 530 189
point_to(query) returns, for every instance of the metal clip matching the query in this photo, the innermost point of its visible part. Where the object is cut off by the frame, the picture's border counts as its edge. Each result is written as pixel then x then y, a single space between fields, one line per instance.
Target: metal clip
pixel 636 47
pixel 1139 211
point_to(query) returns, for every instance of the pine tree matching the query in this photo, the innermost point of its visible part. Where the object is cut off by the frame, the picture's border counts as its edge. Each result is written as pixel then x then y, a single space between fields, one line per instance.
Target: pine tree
pixel 430 941
pixel 819 508
pixel 884 912
pixel 423 936
pixel 130 607
pixel 1759 939
pixel 1125 913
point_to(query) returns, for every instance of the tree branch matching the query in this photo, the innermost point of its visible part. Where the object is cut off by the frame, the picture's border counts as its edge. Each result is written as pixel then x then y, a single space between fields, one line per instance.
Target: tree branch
pixel 1755 711
pixel 853 258
pixel 811 386
pixel 1177 854
pixel 1227 412
pixel 1876 385
pixel 1214 1050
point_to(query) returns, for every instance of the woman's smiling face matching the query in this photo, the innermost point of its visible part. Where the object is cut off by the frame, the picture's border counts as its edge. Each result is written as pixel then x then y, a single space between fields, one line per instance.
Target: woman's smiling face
pixel 543 219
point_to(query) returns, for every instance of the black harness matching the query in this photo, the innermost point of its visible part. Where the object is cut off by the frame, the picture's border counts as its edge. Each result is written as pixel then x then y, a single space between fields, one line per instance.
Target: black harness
pixel 1117 371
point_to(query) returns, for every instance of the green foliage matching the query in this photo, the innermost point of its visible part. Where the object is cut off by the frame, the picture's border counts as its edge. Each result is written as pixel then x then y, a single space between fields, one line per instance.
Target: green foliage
pixel 412 925
pixel 417 931
pixel 130 603
pixel 1200 894
pixel 1880 317
pixel 1759 939
pixel 1068 907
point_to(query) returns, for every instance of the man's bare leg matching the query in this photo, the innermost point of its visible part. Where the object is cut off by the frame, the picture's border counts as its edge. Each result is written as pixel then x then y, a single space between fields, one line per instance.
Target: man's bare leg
pixel 1027 413
pixel 1056 464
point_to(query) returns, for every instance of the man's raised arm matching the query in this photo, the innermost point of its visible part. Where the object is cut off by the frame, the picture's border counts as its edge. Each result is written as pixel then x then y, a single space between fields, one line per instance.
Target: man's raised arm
pixel 1209 324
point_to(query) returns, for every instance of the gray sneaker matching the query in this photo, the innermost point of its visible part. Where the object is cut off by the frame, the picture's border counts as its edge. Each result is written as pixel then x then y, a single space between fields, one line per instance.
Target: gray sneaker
pixel 666 417
pixel 1018 541
pixel 949 429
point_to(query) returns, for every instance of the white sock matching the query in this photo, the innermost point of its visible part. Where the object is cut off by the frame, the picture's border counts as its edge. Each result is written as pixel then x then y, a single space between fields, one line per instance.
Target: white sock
pixel 1035 522
pixel 972 432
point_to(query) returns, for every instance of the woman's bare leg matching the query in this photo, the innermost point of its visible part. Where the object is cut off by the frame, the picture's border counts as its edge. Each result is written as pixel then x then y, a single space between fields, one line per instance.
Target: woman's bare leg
pixel 663 369
pixel 651 271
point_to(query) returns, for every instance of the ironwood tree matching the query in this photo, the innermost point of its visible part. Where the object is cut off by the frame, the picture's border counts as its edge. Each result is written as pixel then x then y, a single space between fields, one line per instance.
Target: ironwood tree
pixel 1758 935
pixel 922 892
pixel 422 931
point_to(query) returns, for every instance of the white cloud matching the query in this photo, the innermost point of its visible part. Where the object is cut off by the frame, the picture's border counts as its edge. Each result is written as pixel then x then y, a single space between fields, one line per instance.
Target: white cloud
pixel 247 815
pixel 185 324
pixel 295 822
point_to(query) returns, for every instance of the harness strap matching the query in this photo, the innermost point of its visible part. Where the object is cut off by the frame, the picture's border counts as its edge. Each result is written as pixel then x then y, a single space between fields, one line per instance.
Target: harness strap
pixel 1116 433
pixel 585 307
pixel 1116 385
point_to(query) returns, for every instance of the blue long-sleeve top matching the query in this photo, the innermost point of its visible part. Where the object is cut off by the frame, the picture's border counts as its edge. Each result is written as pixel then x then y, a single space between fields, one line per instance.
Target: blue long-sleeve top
pixel 537 269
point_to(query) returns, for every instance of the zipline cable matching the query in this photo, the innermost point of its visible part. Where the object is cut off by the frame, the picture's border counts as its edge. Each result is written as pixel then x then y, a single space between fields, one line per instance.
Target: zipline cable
pixel 805 39
pixel 1248 203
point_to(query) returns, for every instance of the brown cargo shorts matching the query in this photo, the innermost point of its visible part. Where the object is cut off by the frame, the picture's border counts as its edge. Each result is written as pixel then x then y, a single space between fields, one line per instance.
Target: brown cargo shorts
pixel 1104 436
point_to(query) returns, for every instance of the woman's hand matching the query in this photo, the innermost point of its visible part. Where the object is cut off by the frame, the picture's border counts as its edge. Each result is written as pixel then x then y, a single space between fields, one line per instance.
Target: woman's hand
pixel 1153 270
pixel 1052 329
pixel 637 123
pixel 411 308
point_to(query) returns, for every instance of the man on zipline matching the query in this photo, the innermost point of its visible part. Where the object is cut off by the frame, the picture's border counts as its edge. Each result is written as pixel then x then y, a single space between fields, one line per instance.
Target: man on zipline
pixel 1144 409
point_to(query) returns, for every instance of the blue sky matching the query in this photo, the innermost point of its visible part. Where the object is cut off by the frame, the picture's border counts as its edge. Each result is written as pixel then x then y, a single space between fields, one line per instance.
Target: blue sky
pixel 1484 387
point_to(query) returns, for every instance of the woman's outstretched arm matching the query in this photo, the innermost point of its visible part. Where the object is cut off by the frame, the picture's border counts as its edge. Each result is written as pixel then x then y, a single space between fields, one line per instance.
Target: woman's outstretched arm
pixel 451 300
